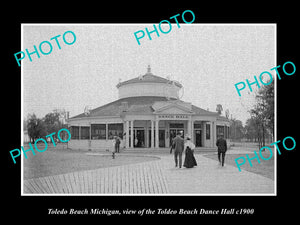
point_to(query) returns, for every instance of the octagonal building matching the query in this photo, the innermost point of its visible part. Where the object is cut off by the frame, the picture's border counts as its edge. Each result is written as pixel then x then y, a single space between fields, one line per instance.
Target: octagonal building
pixel 147 115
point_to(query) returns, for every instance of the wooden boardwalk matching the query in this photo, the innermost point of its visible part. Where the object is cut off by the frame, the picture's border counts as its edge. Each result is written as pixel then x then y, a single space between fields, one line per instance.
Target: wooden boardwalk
pixel 141 178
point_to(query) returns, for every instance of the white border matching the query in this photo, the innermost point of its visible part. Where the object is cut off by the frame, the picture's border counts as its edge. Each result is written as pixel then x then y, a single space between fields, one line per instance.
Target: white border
pixel 141 24
pixel 275 117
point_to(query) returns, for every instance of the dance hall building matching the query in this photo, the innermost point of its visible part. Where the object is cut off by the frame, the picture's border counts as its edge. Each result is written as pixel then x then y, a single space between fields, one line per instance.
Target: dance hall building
pixel 148 114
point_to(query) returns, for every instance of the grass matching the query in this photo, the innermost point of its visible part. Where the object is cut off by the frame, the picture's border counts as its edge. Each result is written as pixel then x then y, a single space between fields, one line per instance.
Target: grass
pixel 264 168
pixel 57 160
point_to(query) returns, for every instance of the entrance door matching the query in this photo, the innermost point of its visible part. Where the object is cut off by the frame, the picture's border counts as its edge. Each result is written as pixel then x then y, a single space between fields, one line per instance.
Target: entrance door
pixel 149 138
pixel 173 132
pixel 139 138
pixel 198 134
pixel 161 138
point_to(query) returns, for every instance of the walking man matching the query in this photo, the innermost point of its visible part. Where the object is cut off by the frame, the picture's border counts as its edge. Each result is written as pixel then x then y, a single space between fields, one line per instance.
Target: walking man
pixel 178 144
pixel 222 148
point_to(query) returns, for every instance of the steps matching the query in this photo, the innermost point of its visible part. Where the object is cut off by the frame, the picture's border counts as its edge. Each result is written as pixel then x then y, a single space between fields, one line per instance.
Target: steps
pixel 163 150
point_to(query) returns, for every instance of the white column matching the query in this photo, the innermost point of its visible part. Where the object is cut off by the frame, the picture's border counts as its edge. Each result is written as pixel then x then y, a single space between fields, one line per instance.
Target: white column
pixel 211 134
pixel 90 139
pixel 152 134
pixel 192 127
pixel 132 137
pixel 192 131
pixel 204 134
pixel 90 131
pixel 214 137
pixel 156 133
pixel 127 134
pixel 188 130
pixel 106 131
pixel 146 137
pixel 167 136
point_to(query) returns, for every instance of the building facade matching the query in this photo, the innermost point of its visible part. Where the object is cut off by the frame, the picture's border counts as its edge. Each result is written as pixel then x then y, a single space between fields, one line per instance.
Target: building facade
pixel 148 114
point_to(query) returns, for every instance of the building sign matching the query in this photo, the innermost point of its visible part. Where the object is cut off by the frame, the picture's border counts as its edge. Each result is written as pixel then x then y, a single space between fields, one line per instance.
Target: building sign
pixel 173 117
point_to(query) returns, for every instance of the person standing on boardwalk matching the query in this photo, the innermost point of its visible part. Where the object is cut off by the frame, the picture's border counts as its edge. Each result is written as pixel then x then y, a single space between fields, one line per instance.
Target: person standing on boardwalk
pixel 189 160
pixel 117 144
pixel 178 144
pixel 222 148
pixel 114 146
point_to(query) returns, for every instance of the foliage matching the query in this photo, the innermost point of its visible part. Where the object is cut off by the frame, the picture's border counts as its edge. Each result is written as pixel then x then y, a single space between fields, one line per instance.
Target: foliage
pixel 39 128
pixel 36 128
pixel 261 122
pixel 236 129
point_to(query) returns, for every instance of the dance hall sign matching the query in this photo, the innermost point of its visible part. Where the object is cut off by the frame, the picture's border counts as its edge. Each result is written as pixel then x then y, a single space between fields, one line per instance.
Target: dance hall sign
pixel 173 117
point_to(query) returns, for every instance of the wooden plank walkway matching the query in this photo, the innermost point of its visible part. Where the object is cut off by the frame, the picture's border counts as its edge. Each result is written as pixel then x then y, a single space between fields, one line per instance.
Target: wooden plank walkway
pixel 141 178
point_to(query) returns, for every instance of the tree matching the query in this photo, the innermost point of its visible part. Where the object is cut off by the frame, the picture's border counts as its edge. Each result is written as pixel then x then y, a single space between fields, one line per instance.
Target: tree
pixel 251 130
pixel 262 113
pixel 53 121
pixel 36 127
pixel 236 129
pixel 50 123
pixel 266 99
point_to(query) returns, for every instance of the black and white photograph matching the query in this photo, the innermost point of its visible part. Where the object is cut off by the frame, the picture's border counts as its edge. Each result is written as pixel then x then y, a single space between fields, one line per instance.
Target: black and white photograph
pixel 162 117
pixel 141 112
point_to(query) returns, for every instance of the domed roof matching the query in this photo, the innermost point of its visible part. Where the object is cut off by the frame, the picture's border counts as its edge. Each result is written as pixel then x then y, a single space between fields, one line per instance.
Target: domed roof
pixel 148 78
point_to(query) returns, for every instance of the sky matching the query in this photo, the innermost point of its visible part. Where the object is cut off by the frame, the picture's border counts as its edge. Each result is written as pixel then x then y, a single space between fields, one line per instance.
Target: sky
pixel 207 59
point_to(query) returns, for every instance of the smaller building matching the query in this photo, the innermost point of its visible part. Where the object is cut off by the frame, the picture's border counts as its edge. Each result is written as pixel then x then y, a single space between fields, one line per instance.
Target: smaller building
pixel 148 114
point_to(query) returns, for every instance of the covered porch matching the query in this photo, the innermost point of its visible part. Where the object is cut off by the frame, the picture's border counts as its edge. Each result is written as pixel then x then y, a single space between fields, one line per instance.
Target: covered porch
pixel 159 133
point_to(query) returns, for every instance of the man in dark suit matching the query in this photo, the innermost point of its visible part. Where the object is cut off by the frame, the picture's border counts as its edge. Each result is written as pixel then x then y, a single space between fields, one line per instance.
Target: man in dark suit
pixel 222 148
pixel 178 144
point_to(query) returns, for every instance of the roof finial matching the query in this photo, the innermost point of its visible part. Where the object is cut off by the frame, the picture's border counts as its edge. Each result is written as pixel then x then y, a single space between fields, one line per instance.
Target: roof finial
pixel 149 69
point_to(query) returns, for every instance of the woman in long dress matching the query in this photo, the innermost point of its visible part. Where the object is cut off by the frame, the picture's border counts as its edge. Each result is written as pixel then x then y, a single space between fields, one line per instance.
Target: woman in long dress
pixel 189 161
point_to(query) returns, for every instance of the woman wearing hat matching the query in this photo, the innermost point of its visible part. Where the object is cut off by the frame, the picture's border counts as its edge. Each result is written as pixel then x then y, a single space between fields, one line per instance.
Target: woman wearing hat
pixel 189 147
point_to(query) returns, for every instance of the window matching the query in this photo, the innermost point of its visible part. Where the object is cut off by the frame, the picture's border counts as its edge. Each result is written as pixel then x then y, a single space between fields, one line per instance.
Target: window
pixel 74 132
pixel 197 126
pixel 227 132
pixel 220 131
pixel 207 131
pixel 85 133
pixel 115 129
pixel 98 131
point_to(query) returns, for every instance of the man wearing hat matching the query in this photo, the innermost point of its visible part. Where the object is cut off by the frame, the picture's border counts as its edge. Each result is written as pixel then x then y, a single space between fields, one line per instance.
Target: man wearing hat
pixel 222 148
pixel 178 144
